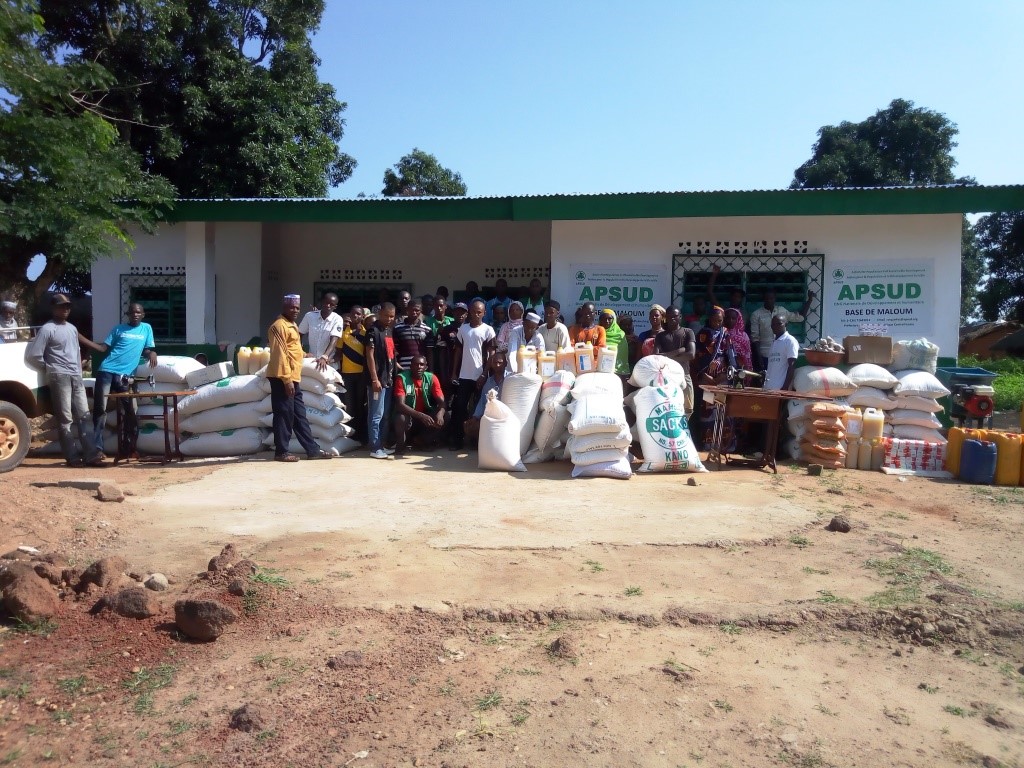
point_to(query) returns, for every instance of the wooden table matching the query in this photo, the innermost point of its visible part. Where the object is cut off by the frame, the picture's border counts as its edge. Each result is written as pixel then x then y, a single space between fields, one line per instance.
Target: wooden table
pixel 126 445
pixel 763 405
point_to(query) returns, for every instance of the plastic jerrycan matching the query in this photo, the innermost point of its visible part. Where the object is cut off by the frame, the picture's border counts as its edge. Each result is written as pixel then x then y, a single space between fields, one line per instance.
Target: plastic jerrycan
pixel 1008 451
pixel 852 451
pixel 864 454
pixel 243 360
pixel 853 422
pixel 978 462
pixel 526 361
pixel 547 364
pixel 873 424
pixel 877 455
pixel 606 357
pixel 566 359
pixel 954 445
pixel 584 357
pixel 264 358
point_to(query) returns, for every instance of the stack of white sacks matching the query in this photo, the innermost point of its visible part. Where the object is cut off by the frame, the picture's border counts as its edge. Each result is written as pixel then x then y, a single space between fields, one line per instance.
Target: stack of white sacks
pixel 507 426
pixel 599 435
pixel 551 433
pixel 660 408
pixel 914 415
pixel 815 434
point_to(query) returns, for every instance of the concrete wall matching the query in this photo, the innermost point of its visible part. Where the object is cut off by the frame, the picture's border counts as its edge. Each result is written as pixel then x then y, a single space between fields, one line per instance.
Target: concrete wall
pixel 238 249
pixel 654 241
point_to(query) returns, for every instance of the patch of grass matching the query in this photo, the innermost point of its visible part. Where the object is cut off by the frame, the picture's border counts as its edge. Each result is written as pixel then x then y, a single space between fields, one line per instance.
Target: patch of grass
pixel 633 591
pixel 340 574
pixel 488 701
pixel 265 735
pixel 252 602
pixel 263 660
pixel 143 683
pixel 521 713
pixel 270 576
pixel 526 672
pixel 815 571
pixel 72 686
pixel 723 705
pixel 19 692
pixel 824 596
pixel 799 541
pixel 62 716
pixel 958 711
pixel 730 629
pixel 37 627
pixel 905 573
pixel 826 711
pixel 928 688
pixel 706 651
pixel 595 567
pixel 11 756
pixel 178 727
pixel 448 688
pixel 495 640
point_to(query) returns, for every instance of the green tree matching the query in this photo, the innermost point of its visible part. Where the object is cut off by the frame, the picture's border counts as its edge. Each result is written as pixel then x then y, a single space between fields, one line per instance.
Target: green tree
pixel 900 145
pixel 68 186
pixel 1001 237
pixel 419 174
pixel 221 97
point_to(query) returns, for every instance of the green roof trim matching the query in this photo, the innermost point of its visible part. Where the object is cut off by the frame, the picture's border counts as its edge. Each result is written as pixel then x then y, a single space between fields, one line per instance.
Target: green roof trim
pixel 643 205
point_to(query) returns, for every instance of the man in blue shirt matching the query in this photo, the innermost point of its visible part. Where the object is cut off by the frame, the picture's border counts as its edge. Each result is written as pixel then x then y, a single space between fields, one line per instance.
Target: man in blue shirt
pixel 124 346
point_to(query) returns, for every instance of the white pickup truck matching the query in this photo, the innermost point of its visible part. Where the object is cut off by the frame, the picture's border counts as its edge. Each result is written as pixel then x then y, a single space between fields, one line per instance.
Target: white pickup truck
pixel 21 389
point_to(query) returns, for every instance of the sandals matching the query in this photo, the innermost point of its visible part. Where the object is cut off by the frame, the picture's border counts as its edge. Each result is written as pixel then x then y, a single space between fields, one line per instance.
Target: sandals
pixel 319 455
pixel 286 457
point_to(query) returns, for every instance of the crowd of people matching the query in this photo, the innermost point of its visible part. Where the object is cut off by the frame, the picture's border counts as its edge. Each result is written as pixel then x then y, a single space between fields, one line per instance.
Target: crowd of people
pixel 416 371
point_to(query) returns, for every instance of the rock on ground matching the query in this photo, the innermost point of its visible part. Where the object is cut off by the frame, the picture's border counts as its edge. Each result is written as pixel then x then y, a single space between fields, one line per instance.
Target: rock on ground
pixel 132 603
pixel 203 619
pixel 29 597
pixel 227 557
pixel 48 571
pixel 347 659
pixel 248 718
pixel 564 647
pixel 109 492
pixel 103 572
pixel 839 523
pixel 157 582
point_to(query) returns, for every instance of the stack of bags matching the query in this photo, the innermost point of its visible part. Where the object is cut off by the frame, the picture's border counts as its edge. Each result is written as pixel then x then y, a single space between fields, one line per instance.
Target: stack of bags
pixel 521 393
pixel 327 418
pixel 599 435
pixel 816 427
pixel 913 418
pixel 874 387
pixel 551 431
pixel 660 409
pixel 223 418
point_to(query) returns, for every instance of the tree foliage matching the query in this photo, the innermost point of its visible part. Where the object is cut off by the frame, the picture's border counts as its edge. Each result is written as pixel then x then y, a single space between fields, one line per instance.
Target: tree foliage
pixel 419 174
pixel 1001 237
pixel 67 185
pixel 897 146
pixel 221 97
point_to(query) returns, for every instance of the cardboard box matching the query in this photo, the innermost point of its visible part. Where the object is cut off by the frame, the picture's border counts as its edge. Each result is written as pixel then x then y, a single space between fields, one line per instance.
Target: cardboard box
pixel 868 349
pixel 209 374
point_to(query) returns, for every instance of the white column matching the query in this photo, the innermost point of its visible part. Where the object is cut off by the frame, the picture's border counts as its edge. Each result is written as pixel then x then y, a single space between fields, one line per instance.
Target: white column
pixel 200 298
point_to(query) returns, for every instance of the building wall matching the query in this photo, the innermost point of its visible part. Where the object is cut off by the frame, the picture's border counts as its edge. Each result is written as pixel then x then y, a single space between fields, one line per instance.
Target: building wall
pixel 654 241
pixel 238 249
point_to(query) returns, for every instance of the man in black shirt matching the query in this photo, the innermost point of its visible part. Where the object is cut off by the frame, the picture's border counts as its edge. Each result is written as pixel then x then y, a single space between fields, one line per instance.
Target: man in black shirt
pixel 679 344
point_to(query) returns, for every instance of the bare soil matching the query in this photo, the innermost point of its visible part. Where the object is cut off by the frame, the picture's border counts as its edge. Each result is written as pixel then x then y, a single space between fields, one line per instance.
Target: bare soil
pixel 416 613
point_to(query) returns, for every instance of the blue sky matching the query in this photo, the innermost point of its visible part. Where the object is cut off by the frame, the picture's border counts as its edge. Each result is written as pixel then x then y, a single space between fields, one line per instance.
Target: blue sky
pixel 526 97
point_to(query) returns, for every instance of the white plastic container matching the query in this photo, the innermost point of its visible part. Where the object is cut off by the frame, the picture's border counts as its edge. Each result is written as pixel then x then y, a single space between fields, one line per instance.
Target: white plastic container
pixel 852 452
pixel 873 424
pixel 547 364
pixel 606 357
pixel 567 360
pixel 526 359
pixel 864 454
pixel 244 353
pixel 853 424
pixel 584 353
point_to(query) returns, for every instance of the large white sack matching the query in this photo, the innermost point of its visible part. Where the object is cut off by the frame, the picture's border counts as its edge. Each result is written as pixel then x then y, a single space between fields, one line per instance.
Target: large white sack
pixel 913 432
pixel 665 438
pixel 619 469
pixel 870 375
pixel 324 402
pixel 798 428
pixel 237 389
pixel 791 448
pixel 601 441
pixel 872 397
pixel 918 355
pixel 144 410
pixel 910 416
pixel 309 371
pixel 597 383
pixel 556 389
pixel 333 447
pixel 914 403
pixel 597 413
pixel 822 380
pixel 498 445
pixel 306 384
pixel 330 434
pixel 521 393
pixel 913 383
pixel 169 369
pixel 228 442
pixel 657 370
pixel 552 422
pixel 315 417
pixel 586 458
pixel 231 416
pixel 151 440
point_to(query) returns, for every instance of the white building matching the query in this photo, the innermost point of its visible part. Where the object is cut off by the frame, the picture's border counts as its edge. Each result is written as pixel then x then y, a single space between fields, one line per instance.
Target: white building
pixel 216 272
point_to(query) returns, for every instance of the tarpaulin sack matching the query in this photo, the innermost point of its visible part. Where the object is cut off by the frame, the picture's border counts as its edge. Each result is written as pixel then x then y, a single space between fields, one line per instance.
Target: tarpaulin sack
pixel 918 355
pixel 602 456
pixel 870 375
pixel 237 389
pixel 658 370
pixel 231 416
pixel 597 413
pixel 521 393
pixel 600 441
pixel 498 446
pixel 872 397
pixel 169 368
pixel 618 469
pixel 557 388
pixel 664 431
pixel 551 424
pixel 597 383
pixel 824 381
pixel 919 384
pixel 228 442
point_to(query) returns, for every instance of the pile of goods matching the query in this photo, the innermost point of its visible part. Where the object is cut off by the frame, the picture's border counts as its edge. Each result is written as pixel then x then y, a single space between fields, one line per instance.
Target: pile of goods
pixel 661 424
pixel 986 456
pixel 599 436
pixel 828 344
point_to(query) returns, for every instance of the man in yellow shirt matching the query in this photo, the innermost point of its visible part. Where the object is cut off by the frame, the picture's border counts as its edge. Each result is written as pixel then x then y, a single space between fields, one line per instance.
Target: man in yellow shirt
pixel 284 372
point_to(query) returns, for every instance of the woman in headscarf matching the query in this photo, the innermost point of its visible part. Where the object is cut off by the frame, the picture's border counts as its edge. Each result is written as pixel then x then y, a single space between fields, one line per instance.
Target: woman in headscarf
pixel 632 342
pixel 615 336
pixel 515 320
pixel 733 322
pixel 714 354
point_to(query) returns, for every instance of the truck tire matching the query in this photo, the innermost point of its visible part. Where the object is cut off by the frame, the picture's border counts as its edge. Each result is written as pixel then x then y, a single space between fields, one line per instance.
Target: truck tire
pixel 15 436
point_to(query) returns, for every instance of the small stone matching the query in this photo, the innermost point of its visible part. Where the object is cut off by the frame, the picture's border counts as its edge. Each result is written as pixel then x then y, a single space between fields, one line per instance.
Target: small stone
pixel 156 582
pixel 564 647
pixel 49 572
pixel 998 722
pixel 928 629
pixel 227 558
pixel 347 659
pixel 692 482
pixel 132 603
pixel 248 718
pixel 109 492
pixel 203 619
pixel 814 470
pixel 103 572
pixel 236 587
pixel 839 524
pixel 27 596
pixel 946 626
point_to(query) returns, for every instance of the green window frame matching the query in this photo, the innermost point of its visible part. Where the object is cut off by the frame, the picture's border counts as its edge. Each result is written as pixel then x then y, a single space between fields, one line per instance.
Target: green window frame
pixel 163 297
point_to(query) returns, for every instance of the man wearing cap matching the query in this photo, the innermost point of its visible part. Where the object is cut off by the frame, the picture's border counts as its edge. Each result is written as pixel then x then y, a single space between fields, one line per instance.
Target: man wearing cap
pixel 323 327
pixel 284 371
pixel 56 351
pixel 524 336
pixel 8 322
pixel 124 346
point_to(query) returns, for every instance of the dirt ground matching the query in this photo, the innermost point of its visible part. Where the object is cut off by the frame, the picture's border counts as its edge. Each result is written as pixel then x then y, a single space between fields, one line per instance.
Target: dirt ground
pixel 421 613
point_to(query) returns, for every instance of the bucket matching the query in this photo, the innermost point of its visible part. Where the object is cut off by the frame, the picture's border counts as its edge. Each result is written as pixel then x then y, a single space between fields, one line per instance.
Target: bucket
pixel 978 462
pixel 584 357
pixel 873 424
pixel 1008 452
pixel 606 357
pixel 547 364
pixel 953 447
pixel 566 359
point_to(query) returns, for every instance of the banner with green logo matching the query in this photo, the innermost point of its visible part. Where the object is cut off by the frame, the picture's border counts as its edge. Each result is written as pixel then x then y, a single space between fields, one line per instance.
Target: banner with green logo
pixel 899 294
pixel 626 288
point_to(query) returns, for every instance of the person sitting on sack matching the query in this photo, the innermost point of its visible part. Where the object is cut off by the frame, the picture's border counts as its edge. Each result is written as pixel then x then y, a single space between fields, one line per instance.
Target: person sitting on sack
pixel 284 371
pixel 496 367
pixel 525 335
pixel 419 406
